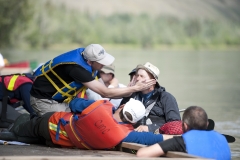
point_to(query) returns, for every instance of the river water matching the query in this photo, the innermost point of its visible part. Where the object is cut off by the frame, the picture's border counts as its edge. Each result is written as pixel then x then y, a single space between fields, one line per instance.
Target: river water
pixel 210 79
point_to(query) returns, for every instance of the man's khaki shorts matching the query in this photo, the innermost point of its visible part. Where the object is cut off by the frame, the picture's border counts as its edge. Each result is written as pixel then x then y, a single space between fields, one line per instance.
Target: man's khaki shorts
pixel 42 106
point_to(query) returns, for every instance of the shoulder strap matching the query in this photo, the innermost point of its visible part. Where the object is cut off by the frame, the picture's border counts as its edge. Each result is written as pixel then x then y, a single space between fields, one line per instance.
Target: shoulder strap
pixel 3 115
pixel 149 108
pixel 155 97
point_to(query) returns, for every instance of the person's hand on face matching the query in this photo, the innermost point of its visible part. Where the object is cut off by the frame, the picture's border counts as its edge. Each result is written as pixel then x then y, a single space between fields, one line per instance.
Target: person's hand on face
pixel 146 84
pixel 143 80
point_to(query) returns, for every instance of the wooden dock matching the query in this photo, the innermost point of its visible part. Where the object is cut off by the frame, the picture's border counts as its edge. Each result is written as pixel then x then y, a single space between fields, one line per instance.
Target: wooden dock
pixel 41 152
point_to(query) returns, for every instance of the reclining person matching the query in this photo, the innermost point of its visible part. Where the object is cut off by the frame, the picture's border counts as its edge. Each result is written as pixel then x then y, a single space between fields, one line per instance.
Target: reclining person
pixel 92 125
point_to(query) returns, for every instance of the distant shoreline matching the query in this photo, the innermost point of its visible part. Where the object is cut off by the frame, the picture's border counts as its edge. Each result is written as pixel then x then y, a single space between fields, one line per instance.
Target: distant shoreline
pixel 156 47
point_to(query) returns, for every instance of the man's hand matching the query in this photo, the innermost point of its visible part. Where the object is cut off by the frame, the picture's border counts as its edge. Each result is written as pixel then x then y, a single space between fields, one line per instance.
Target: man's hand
pixel 142 128
pixel 141 86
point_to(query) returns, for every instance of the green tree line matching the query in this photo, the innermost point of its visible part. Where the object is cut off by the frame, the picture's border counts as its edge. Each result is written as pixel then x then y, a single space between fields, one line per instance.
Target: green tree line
pixel 40 24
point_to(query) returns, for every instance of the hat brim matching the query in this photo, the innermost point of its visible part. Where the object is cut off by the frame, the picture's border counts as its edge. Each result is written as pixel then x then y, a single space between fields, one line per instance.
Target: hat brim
pixel 107 60
pixel 107 71
pixel 145 68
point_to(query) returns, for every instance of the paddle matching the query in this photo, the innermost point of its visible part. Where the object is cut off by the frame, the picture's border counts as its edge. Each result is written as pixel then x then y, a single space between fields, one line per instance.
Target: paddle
pixel 211 125
pixel 230 139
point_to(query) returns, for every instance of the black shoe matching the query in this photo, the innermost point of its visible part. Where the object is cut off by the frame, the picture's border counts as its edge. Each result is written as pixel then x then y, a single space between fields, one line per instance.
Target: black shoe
pixel 29 140
pixel 5 130
pixel 8 136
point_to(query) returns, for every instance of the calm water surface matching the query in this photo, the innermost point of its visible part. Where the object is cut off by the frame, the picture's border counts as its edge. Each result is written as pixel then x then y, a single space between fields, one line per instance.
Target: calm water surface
pixel 210 79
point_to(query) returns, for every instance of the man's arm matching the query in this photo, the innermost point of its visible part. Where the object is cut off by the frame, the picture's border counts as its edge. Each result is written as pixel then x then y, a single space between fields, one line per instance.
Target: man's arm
pixel 113 83
pixel 77 105
pixel 150 151
pixel 77 72
pixel 24 91
pixel 101 89
pixel 95 96
pixel 173 144
pixel 146 138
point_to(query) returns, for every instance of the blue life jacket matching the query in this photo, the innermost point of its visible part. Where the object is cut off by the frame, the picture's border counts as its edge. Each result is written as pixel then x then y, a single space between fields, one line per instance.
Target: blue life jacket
pixel 70 89
pixel 207 144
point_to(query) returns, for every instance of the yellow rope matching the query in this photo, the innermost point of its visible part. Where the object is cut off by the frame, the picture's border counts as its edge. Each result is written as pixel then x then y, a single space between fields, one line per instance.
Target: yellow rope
pixel 56 87
pixel 70 89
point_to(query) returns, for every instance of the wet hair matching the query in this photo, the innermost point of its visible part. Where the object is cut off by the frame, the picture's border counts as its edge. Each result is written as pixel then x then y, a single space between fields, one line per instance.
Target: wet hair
pixel 129 116
pixel 195 117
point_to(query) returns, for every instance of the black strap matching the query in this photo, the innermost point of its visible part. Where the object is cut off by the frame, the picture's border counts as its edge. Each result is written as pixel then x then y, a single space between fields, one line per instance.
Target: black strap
pixel 157 95
pixel 3 115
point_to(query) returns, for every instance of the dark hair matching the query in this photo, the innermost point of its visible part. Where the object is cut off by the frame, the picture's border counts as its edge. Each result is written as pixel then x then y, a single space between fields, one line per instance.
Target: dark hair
pixel 129 116
pixel 195 117
pixel 132 72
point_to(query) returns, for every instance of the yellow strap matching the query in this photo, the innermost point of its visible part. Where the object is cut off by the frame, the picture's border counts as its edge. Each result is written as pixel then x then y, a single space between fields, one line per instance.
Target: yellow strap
pixel 83 92
pixel 78 138
pixel 56 87
pixel 69 97
pixel 65 84
pixel 12 82
pixel 54 128
pixel 67 100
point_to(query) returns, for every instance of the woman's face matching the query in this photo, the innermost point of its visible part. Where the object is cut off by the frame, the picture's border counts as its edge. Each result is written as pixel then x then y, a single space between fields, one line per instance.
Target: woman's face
pixel 106 77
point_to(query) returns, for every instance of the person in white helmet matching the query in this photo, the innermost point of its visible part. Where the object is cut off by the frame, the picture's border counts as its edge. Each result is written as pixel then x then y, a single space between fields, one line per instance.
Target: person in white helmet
pixel 91 125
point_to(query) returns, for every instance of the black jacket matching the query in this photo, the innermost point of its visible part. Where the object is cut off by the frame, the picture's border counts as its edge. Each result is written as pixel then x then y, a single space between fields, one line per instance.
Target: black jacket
pixel 164 110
